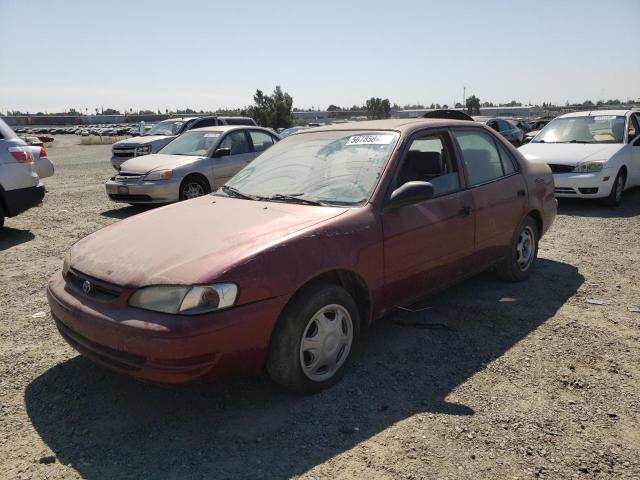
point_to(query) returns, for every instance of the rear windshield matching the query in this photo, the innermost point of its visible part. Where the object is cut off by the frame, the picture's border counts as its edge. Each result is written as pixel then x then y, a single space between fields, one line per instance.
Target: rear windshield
pixel 239 121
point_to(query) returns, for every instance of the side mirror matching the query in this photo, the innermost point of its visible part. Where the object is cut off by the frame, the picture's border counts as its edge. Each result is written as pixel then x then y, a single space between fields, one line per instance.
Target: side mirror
pixel 222 152
pixel 410 193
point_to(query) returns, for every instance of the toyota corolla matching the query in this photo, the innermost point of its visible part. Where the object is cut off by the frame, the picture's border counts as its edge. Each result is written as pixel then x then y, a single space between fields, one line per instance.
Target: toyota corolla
pixel 282 267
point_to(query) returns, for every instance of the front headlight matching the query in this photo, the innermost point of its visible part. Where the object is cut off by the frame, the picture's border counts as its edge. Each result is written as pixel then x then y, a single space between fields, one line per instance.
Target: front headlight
pixel 143 150
pixel 590 166
pixel 66 264
pixel 159 175
pixel 185 300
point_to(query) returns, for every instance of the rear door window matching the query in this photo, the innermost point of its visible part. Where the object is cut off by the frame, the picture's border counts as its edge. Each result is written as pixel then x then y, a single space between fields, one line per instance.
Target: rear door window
pixel 482 160
pixel 261 140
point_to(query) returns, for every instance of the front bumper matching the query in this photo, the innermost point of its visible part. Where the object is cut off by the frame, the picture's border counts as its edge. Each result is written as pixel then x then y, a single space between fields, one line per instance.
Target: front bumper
pixel 162 191
pixel 583 185
pixel 21 199
pixel 161 348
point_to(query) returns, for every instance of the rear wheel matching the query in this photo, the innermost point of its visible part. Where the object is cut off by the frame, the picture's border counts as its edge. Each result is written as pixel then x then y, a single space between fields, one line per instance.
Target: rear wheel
pixel 193 187
pixel 313 341
pixel 519 262
pixel 617 189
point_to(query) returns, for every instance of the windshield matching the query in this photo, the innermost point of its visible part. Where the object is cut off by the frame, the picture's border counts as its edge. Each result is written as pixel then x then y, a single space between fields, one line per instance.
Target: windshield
pixel 592 129
pixel 167 127
pixel 335 167
pixel 191 143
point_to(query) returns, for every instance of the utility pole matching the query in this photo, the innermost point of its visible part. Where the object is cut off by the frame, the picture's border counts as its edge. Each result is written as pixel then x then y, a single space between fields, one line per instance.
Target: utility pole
pixel 464 96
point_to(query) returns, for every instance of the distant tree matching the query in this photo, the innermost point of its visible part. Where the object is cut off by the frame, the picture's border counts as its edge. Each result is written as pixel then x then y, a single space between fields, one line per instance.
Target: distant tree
pixel 378 108
pixel 110 111
pixel 272 110
pixel 512 103
pixel 458 105
pixel 333 108
pixel 487 104
pixel 587 103
pixel 146 112
pixel 473 105
pixel 445 106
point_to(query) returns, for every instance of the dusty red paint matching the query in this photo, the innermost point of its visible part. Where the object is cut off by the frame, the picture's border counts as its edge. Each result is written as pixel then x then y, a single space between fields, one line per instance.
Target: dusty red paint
pixel 270 250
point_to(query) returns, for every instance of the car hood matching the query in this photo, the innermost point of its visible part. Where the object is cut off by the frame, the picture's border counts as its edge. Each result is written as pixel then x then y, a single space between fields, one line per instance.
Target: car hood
pixel 142 140
pixel 191 242
pixel 568 153
pixel 156 161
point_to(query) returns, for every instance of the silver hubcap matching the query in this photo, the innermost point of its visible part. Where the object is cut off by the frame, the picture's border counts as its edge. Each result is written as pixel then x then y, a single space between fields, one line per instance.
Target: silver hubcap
pixel 525 248
pixel 326 342
pixel 192 190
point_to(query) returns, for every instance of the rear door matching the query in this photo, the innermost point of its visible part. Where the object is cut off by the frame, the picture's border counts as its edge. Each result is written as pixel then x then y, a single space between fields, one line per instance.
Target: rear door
pixel 498 190
pixel 227 166
pixel 633 140
pixel 429 244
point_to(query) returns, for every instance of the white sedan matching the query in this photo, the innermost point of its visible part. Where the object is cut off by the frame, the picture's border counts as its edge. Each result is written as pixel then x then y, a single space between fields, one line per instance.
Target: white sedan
pixel 593 154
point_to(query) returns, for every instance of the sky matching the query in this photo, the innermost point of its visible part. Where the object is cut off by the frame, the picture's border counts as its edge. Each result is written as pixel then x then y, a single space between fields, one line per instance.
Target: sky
pixel 138 54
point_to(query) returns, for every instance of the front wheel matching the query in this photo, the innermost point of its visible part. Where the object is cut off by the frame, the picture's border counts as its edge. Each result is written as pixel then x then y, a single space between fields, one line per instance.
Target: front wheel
pixel 617 189
pixel 520 260
pixel 313 340
pixel 193 187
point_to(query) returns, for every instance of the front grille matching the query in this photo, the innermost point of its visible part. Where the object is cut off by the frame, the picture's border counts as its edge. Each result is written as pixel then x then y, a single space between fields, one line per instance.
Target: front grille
pixel 124 152
pixel 110 356
pixel 124 177
pixel 130 198
pixel 565 190
pixel 556 168
pixel 99 290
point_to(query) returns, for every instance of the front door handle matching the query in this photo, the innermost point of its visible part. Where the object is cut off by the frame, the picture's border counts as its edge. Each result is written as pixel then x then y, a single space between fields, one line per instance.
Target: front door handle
pixel 464 212
pixel 521 193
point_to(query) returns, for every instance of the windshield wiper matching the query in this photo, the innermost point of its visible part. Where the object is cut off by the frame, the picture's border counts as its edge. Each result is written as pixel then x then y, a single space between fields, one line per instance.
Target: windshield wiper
pixel 576 141
pixel 293 198
pixel 233 192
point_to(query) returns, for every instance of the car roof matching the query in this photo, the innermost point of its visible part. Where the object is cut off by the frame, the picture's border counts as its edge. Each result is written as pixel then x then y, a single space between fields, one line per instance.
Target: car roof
pixel 593 113
pixel 226 128
pixel 402 125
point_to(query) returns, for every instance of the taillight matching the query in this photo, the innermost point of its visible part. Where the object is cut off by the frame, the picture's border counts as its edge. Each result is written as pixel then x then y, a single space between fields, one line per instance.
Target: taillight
pixel 43 152
pixel 21 155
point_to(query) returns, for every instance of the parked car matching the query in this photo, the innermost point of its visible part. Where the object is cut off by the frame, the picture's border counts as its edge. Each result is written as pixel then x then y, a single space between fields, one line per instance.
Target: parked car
pixel 592 154
pixel 41 163
pixel 504 127
pixel 530 135
pixel 194 164
pixel 315 239
pixel 163 132
pixel 290 131
pixel 20 187
pixel 540 122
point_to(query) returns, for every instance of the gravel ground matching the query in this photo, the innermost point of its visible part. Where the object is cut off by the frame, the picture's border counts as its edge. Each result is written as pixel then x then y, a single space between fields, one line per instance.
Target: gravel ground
pixel 496 380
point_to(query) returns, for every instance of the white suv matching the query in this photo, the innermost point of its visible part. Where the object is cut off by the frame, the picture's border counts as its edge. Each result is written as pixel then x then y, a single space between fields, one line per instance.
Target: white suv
pixel 20 187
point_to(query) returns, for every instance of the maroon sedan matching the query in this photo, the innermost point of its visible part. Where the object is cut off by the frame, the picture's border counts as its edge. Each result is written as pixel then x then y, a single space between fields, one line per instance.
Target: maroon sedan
pixel 315 239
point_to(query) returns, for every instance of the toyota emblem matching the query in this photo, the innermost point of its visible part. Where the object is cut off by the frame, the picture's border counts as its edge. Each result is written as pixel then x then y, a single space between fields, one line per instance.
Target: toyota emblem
pixel 87 287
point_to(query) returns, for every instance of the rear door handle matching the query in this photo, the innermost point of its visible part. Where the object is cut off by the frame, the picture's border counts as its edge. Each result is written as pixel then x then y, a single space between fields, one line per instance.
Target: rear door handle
pixel 521 193
pixel 464 212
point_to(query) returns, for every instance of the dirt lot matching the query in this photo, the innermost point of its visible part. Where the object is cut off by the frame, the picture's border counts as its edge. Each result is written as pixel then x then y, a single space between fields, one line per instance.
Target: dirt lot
pixel 497 380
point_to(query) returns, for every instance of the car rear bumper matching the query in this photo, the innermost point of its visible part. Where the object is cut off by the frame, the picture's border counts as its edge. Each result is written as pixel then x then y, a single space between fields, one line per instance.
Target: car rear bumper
pixel 144 192
pixel 161 348
pixel 583 185
pixel 21 199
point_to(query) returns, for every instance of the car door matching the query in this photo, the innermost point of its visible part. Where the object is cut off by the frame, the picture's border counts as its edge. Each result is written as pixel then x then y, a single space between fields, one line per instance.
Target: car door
pixel 226 166
pixel 633 140
pixel 498 190
pixel 429 244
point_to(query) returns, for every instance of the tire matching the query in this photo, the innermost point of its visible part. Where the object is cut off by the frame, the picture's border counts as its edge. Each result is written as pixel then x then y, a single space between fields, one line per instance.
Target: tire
pixel 617 189
pixel 192 187
pixel 1 216
pixel 292 361
pixel 521 259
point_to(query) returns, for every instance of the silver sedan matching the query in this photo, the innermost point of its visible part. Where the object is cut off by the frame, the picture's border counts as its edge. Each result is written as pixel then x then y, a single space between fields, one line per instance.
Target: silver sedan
pixel 194 164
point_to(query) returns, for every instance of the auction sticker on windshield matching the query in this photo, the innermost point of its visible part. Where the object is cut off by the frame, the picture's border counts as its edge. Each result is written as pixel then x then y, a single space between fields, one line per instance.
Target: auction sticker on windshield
pixel 370 140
